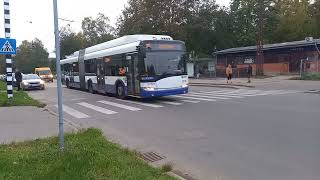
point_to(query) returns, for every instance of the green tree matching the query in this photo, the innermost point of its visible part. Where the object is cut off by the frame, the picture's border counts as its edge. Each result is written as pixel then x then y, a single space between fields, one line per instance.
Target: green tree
pixel 295 20
pixel 155 17
pixel 245 15
pixel 52 65
pixel 31 55
pixel 97 30
pixel 71 41
pixel 315 13
pixel 194 21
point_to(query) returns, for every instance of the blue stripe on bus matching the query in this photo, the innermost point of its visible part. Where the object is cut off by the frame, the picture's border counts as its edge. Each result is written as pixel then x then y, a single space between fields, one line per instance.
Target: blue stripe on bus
pixel 148 94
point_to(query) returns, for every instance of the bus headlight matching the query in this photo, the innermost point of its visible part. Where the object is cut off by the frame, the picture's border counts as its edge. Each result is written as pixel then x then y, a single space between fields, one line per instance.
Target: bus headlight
pixel 148 88
pixel 184 85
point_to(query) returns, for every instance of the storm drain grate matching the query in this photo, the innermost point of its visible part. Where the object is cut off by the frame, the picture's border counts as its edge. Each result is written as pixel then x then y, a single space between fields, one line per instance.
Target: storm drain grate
pixel 151 156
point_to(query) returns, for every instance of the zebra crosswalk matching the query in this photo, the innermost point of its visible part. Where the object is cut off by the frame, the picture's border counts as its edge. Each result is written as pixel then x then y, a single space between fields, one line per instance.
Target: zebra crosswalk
pixel 113 106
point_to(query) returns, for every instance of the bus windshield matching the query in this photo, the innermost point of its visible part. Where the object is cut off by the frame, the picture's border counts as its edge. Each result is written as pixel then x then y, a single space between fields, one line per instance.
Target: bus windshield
pixel 163 63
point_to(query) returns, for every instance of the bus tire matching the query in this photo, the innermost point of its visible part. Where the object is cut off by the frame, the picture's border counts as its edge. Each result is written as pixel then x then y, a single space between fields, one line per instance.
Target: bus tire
pixel 120 91
pixel 68 84
pixel 90 88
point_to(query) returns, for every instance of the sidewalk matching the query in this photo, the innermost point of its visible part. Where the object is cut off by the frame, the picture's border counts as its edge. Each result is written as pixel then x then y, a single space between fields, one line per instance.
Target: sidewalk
pixel 27 123
pixel 278 82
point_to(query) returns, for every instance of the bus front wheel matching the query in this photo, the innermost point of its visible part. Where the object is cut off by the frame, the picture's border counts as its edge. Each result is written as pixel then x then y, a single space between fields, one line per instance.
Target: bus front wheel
pixel 120 91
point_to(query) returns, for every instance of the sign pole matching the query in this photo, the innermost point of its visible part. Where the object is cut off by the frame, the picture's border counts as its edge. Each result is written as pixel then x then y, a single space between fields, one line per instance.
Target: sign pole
pixel 7 31
pixel 58 68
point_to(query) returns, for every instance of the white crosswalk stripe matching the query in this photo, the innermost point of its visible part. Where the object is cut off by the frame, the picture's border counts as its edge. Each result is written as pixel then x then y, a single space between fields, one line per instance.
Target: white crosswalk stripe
pixel 73 112
pixel 172 103
pixel 97 108
pixel 141 103
pixel 194 98
pixel 205 96
pixel 191 101
pixel 130 108
pixel 217 95
pixel 177 100
pixel 241 94
pixel 226 91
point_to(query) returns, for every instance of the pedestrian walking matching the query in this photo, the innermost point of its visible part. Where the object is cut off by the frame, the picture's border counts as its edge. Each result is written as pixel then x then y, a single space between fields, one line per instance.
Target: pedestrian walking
pixel 18 77
pixel 249 73
pixel 229 73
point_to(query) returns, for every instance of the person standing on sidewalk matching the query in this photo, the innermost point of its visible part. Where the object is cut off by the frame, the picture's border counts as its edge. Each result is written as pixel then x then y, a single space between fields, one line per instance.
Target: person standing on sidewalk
pixel 249 73
pixel 229 73
pixel 18 77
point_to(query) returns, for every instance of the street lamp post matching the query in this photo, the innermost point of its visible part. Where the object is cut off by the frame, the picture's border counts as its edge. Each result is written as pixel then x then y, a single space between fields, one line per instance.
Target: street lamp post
pixel 58 68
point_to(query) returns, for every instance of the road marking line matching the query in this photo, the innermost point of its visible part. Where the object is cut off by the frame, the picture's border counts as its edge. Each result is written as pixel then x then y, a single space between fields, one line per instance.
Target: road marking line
pixel 241 93
pixel 120 106
pixel 226 92
pixel 190 101
pixel 141 103
pixel 97 108
pixel 73 112
pixel 250 93
pixel 171 103
pixel 217 95
pixel 204 96
pixel 280 92
pixel 195 98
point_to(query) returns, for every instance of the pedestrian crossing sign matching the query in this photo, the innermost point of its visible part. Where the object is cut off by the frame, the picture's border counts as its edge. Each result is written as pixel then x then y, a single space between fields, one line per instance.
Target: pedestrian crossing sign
pixel 7 46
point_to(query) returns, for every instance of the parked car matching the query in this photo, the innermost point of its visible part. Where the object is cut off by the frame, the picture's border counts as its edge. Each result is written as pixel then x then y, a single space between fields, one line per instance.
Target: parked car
pixel 32 81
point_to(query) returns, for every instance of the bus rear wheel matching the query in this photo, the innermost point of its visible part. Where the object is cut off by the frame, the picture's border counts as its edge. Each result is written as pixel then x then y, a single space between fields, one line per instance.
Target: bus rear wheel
pixel 120 91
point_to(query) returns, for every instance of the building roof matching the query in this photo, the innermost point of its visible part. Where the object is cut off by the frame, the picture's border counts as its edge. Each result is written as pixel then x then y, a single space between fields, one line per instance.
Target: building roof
pixel 271 46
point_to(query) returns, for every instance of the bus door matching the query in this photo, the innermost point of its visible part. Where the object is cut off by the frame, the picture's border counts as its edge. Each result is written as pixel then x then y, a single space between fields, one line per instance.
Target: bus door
pixel 132 74
pixel 100 76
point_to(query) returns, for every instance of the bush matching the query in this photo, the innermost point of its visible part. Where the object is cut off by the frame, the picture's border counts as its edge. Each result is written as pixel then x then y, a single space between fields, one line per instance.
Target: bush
pixel 311 76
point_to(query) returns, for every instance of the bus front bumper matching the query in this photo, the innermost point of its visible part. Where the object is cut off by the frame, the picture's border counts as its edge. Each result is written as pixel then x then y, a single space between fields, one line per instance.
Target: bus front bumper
pixel 159 93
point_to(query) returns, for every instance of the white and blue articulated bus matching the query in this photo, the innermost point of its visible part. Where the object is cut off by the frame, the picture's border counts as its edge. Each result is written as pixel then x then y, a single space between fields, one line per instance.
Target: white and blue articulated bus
pixel 143 66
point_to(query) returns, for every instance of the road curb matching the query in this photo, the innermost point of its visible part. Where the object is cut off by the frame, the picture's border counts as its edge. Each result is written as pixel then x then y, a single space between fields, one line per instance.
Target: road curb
pixel 73 125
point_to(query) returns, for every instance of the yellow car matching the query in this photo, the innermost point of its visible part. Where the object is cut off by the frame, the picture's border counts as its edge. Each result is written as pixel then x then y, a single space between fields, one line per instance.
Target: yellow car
pixel 44 73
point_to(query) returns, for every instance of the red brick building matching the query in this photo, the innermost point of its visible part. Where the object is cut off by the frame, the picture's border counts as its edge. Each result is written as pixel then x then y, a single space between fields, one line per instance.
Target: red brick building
pixel 281 58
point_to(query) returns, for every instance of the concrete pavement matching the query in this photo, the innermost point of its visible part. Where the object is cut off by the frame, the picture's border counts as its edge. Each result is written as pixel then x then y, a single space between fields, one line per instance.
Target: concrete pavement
pixel 27 123
pixel 278 82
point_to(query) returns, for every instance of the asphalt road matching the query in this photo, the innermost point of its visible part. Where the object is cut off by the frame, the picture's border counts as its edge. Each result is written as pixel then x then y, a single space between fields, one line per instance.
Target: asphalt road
pixel 218 134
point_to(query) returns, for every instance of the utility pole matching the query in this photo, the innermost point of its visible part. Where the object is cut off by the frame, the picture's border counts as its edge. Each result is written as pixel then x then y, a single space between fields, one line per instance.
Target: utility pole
pixel 59 86
pixel 259 40
pixel 7 31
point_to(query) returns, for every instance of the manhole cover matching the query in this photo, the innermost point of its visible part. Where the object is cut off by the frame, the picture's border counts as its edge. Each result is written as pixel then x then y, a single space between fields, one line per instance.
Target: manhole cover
pixel 151 157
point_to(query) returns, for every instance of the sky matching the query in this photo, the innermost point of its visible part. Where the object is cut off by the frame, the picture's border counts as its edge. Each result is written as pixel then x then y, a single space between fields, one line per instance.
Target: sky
pixel 34 18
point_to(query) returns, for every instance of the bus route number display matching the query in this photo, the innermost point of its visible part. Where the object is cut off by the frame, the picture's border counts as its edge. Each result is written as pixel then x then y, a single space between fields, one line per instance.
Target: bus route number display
pixel 165 46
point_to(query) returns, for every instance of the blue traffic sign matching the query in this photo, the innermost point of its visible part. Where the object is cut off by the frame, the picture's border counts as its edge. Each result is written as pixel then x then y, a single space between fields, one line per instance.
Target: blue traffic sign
pixel 8 46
